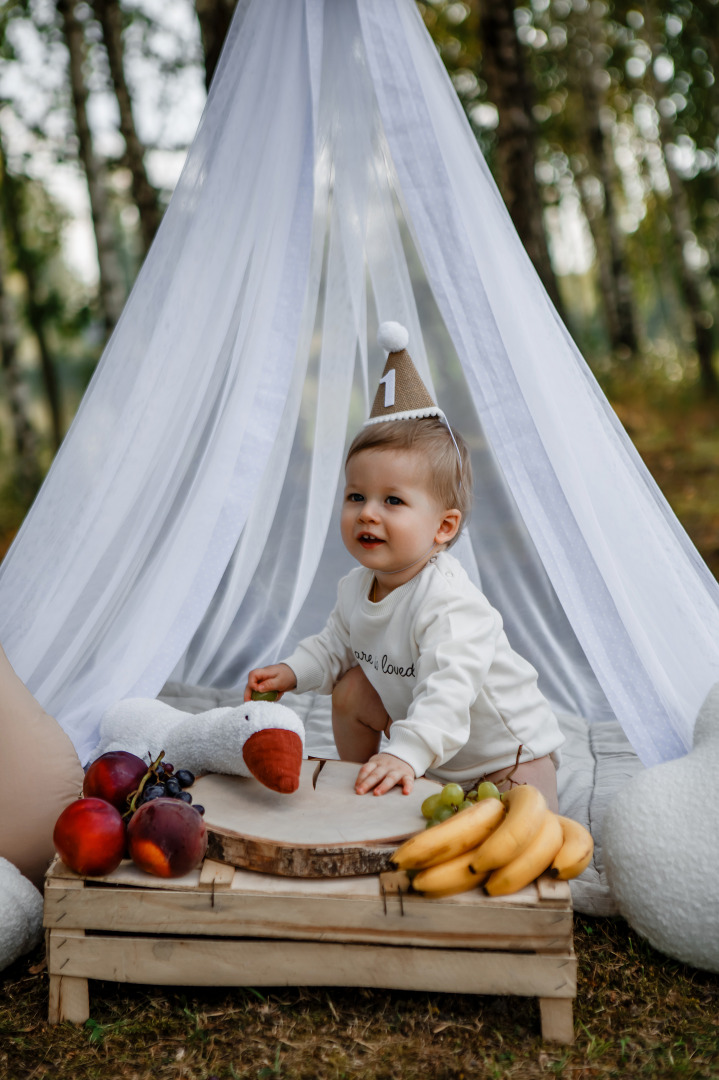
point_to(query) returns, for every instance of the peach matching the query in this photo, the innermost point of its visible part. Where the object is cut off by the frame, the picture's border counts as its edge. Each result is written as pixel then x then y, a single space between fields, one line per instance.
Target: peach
pixel 167 837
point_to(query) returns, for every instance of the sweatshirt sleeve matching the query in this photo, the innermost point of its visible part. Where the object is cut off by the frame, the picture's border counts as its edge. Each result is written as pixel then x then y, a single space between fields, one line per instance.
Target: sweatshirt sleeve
pixel 457 641
pixel 321 660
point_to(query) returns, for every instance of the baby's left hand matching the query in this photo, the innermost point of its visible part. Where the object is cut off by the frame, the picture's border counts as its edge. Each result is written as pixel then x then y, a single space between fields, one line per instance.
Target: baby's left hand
pixel 383 772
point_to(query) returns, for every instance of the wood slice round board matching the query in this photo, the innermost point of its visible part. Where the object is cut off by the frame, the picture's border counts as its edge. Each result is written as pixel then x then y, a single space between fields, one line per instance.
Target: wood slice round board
pixel 324 829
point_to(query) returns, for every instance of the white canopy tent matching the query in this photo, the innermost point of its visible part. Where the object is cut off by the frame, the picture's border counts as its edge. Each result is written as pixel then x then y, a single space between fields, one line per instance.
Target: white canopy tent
pixel 187 528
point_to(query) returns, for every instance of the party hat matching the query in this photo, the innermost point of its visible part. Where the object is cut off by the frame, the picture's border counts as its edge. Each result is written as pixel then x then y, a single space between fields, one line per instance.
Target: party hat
pixel 401 394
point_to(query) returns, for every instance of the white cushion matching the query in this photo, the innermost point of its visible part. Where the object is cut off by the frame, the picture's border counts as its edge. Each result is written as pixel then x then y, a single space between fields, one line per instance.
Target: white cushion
pixel 20 914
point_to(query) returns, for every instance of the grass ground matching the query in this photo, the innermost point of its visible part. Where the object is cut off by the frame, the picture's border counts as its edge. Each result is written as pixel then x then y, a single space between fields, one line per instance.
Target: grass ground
pixel 637 1013
pixel 677 435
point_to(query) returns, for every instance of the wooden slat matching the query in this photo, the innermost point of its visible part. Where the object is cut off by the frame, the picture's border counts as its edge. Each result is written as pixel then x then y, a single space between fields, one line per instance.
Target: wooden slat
pixel 203 962
pixel 557 1020
pixel 69 997
pixel 392 882
pixel 250 881
pixel 550 888
pixel 57 871
pixel 216 874
pixel 226 912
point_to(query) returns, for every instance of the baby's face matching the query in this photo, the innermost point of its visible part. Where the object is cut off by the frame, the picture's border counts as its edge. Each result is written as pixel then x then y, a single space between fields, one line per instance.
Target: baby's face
pixel 390 517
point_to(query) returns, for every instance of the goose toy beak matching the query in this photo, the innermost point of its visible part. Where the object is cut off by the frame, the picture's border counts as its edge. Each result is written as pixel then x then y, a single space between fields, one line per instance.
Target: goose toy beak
pixel 274 757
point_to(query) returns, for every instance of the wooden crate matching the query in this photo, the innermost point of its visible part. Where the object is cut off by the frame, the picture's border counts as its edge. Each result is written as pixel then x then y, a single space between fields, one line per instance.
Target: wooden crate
pixel 226 927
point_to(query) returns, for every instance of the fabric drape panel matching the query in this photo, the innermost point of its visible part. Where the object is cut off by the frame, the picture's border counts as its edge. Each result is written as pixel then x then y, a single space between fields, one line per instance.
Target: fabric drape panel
pixel 126 543
pixel 600 534
pixel 188 527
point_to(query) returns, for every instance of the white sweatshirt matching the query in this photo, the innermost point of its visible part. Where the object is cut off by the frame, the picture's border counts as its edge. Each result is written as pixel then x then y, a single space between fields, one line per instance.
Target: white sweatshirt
pixel 460 699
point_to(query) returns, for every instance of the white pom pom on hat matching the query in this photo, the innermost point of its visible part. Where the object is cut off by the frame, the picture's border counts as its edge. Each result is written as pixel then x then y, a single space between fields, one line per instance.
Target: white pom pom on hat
pixel 392 336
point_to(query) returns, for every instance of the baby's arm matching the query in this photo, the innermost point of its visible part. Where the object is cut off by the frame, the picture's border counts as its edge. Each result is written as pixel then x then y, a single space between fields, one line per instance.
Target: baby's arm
pixel 316 663
pixel 264 680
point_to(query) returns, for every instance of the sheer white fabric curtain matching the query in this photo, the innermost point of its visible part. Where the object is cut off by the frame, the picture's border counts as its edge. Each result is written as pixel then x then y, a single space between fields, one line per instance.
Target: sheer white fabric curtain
pixel 133 528
pixel 558 486
pixel 189 525
pixel 642 605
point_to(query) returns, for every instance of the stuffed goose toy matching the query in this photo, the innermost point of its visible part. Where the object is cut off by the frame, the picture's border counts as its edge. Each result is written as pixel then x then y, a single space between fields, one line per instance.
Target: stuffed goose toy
pixel 661 849
pixel 263 739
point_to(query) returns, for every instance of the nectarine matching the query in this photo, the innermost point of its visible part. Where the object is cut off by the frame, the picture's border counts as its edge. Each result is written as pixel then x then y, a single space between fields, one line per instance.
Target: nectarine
pixel 89 837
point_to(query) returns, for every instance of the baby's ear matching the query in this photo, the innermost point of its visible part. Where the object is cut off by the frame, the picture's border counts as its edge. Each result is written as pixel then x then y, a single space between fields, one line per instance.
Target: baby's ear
pixel 449 526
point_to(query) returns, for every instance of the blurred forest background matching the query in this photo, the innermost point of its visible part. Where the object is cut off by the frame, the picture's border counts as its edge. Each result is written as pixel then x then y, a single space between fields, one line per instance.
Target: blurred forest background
pixel 599 120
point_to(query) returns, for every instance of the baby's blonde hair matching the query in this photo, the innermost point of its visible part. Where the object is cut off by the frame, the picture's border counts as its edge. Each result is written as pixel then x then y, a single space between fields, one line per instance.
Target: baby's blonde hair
pixel 450 482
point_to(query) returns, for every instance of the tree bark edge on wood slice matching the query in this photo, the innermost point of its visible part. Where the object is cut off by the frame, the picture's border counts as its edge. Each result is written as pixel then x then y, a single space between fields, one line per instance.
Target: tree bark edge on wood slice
pixel 307 862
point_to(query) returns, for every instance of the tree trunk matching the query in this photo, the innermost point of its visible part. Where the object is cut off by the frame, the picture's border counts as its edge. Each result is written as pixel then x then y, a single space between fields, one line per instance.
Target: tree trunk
pixel 27 470
pixel 109 15
pixel 509 89
pixel 690 280
pixel 603 261
pixel 12 212
pixel 214 17
pixel 112 292
pixel 622 324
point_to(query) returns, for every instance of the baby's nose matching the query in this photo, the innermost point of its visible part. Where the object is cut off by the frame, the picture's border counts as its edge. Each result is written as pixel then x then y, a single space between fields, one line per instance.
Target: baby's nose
pixel 368 511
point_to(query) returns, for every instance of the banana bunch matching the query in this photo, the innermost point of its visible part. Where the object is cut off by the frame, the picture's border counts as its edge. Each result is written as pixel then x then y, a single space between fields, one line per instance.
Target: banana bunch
pixel 503 844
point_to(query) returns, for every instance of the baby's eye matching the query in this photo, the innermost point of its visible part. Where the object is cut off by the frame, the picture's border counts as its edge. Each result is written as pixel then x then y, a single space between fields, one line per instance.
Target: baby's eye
pixel 354 496
pixel 394 500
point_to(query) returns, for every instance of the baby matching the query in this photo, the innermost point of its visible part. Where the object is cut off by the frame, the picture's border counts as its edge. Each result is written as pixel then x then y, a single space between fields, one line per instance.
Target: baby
pixel 413 650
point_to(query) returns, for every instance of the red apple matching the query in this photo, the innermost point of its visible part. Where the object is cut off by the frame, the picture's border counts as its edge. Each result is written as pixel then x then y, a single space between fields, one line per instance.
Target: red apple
pixel 113 777
pixel 167 837
pixel 89 837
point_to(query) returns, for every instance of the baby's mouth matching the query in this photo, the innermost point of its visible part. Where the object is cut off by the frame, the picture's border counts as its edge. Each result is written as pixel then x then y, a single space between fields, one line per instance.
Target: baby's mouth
pixel 367 540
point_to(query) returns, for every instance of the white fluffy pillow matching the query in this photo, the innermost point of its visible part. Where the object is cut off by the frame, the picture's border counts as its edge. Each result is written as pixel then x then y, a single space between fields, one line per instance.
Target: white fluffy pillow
pixel 20 914
pixel 661 849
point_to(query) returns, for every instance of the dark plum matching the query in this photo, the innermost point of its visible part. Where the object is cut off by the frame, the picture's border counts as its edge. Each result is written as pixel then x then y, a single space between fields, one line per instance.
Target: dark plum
pixel 113 777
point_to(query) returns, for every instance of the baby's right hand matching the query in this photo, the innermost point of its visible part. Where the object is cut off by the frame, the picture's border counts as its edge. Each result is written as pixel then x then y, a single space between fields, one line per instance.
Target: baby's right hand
pixel 276 677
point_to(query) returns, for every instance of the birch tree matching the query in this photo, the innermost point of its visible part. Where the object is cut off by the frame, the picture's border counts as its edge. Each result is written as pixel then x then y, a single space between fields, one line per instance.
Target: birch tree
pixel 510 90
pixel 144 194
pixel 112 291
pixel 18 253
pixel 26 468
pixel 591 53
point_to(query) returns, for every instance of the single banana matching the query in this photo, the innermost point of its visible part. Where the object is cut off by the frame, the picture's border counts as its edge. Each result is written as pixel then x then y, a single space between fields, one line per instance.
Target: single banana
pixel 452 837
pixel 575 854
pixel 448 878
pixel 532 862
pixel 526 809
